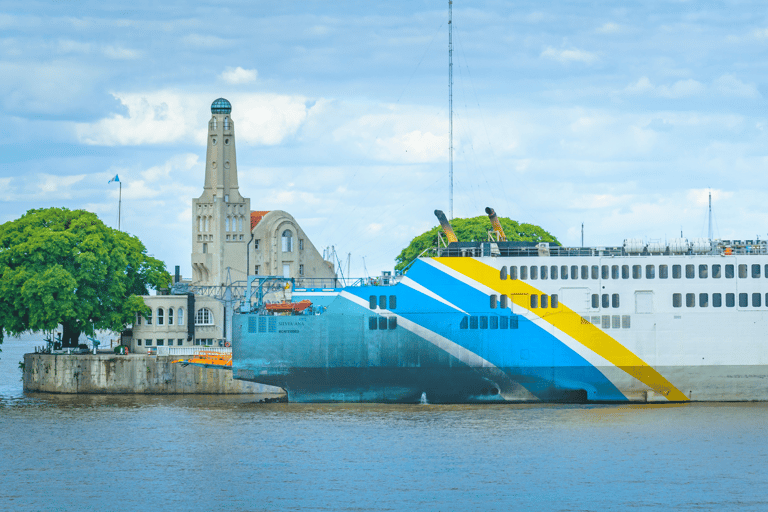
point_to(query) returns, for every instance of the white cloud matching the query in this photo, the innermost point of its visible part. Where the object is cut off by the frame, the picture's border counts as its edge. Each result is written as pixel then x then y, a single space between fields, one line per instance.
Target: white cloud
pixel 6 193
pixel 610 28
pixel 729 85
pixel 120 53
pixel 238 76
pixel 206 41
pixel 679 89
pixel 60 186
pixel 569 55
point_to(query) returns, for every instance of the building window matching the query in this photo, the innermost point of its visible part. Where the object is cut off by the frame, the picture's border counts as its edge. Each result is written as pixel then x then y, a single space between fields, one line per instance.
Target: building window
pixel 240 224
pixel 139 342
pixel 138 319
pixel 181 316
pixel 204 317
pixel 301 269
pixel 256 244
pixel 213 127
pixel 256 270
pixel 179 342
pixel 287 237
pixel 148 318
pixel 160 343
pixel 226 225
pixel 160 316
pixel 205 248
pixel 226 123
pixel 200 224
pixel 170 316
pixel 148 343
pixel 301 244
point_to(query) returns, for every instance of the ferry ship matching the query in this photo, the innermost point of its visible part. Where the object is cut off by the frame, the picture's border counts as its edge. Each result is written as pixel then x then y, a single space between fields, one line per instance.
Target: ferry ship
pixel 502 321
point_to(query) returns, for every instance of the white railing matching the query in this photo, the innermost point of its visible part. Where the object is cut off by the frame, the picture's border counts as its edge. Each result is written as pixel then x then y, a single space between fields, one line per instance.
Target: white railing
pixel 191 351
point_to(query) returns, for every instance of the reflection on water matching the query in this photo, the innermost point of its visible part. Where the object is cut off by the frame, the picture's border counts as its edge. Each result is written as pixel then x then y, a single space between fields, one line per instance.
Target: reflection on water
pixel 65 452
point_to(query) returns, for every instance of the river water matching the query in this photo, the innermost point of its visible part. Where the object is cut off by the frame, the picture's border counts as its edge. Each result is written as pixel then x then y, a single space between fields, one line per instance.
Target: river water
pixel 65 452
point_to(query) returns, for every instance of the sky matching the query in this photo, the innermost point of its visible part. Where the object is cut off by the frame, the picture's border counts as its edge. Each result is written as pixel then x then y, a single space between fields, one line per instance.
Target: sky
pixel 622 116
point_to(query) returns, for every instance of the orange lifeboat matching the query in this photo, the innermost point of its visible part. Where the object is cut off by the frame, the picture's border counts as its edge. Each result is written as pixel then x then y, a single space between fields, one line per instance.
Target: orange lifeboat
pixel 289 307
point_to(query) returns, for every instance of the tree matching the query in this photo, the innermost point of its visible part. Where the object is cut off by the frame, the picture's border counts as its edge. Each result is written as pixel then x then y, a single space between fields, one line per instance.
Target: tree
pixel 66 267
pixel 473 229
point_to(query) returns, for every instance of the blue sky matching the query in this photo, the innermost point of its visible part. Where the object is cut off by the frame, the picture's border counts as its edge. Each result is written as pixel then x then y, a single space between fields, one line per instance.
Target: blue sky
pixel 618 115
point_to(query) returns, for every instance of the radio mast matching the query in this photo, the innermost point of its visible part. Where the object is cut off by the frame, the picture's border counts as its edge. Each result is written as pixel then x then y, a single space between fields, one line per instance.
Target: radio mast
pixel 450 109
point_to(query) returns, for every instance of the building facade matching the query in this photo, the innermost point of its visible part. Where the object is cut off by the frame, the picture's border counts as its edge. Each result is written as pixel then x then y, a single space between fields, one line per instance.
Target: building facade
pixel 229 243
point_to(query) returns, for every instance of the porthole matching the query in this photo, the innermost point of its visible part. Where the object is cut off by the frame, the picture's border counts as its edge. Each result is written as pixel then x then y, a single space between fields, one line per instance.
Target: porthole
pixel 226 142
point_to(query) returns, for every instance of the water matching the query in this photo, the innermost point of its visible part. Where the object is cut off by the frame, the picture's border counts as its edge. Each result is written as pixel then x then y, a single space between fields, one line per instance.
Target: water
pixel 215 453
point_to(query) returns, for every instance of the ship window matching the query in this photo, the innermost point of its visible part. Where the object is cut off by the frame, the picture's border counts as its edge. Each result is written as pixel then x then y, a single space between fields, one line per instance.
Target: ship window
pixel 170 316
pixel 392 322
pixel 382 323
pixel 503 273
pixel 513 322
pixel 504 322
pixel 513 272
pixel 766 271
pixel 677 300
pixel 604 272
pixel 553 272
pixel 636 272
pixel 729 272
pixel 160 316
pixel 493 301
pixel 742 271
pixel 473 322
pixel 606 322
pixel 755 270
pixel 392 302
pixel 534 272
pixel 545 301
pixel 676 274
pixel 382 302
pixel 730 300
pixel 503 302
pixel 614 272
pixel 690 300
pixel 574 272
pixel 625 271
pixel 523 272
pixel 464 323
pixel 650 271
pixel 554 301
pixel 595 301
pixel 703 271
pixel 615 300
pixel 717 300
pixel 625 322
pixel 743 300
pixel 372 302
pixel 544 273
pixel 584 272
pixel 716 273
pixel 494 322
pixel 604 301
pixel 663 272
pixel 615 321
pixel 564 272
pixel 690 272
pixel 534 301
pixel 595 272
pixel 373 323
pixel 483 322
pixel 703 300
pixel 756 300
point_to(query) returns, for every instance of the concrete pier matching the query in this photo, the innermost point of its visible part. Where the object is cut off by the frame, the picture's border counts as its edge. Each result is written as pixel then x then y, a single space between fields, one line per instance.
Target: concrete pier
pixel 133 373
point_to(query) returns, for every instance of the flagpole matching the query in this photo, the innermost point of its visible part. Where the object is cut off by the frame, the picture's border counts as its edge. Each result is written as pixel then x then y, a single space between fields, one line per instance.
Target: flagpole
pixel 119 205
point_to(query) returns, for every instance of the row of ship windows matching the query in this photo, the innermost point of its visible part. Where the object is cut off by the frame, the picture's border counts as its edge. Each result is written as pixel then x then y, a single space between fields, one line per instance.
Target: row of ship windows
pixel 382 323
pixel 381 302
pixel 488 322
pixel 636 271
pixel 608 321
pixel 717 300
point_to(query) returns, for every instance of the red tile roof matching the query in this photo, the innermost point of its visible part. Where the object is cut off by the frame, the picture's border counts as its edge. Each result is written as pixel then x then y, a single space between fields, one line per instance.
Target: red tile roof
pixel 256 217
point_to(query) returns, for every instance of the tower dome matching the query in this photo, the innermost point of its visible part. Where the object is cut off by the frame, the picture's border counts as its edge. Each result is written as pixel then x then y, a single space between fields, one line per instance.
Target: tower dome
pixel 221 106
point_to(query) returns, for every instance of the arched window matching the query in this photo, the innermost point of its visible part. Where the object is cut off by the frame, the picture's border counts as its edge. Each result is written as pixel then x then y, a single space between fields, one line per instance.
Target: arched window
pixel 213 123
pixel 170 316
pixel 226 225
pixel 207 224
pixel 148 318
pixel 240 222
pixel 181 316
pixel 287 241
pixel 200 224
pixel 138 319
pixel 160 315
pixel 204 316
pixel 226 123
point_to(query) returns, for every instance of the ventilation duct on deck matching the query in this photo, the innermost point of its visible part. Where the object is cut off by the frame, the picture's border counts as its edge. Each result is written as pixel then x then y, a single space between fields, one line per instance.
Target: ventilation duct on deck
pixel 496 224
pixel 446 226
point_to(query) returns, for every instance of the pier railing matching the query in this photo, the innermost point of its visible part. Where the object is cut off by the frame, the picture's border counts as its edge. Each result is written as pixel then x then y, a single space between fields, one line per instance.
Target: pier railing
pixel 190 351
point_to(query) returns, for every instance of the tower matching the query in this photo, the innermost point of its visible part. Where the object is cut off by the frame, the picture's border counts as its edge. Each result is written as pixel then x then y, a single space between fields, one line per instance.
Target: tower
pixel 220 216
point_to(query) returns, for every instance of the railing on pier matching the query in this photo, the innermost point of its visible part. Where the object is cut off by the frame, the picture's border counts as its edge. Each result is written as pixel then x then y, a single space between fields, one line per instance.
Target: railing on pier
pixel 190 351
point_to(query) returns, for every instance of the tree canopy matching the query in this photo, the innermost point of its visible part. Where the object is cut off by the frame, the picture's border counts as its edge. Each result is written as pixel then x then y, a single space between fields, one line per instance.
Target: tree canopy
pixel 66 267
pixel 473 229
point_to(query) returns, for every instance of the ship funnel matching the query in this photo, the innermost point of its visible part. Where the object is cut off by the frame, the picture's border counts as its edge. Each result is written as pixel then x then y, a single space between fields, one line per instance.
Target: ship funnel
pixel 446 226
pixel 496 224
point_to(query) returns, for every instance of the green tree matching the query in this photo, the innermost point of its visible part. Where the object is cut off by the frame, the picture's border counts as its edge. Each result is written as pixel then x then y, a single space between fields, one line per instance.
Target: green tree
pixel 473 229
pixel 66 267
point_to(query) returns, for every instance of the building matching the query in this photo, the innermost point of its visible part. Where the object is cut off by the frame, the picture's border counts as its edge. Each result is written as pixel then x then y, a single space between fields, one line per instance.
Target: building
pixel 229 243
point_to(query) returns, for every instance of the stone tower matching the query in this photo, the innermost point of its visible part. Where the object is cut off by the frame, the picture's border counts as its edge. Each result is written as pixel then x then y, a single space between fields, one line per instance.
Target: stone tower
pixel 221 221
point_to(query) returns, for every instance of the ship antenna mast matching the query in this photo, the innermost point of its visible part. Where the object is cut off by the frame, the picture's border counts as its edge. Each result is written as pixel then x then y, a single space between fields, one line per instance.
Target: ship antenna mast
pixel 450 109
pixel 710 215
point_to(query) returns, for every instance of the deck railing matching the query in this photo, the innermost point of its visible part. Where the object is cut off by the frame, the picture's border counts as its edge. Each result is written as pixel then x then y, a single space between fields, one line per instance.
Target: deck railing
pixel 191 351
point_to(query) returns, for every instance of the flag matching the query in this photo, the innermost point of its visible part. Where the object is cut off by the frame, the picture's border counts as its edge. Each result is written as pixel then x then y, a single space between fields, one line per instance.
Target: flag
pixel 114 179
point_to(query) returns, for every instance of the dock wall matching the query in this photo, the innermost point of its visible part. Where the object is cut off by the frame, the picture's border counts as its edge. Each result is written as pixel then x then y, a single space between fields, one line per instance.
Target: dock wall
pixel 128 374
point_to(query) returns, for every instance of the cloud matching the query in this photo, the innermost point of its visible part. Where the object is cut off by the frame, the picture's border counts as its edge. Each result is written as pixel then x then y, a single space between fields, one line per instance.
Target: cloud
pixel 120 53
pixel 206 41
pixel 679 89
pixel 238 76
pixel 569 55
pixel 60 186
pixel 610 28
pixel 729 85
